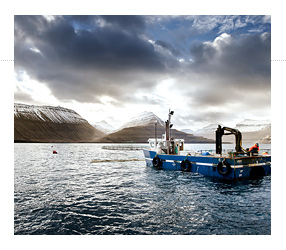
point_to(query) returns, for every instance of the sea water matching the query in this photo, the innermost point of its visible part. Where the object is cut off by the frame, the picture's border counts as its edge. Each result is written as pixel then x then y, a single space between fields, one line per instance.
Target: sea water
pixel 66 193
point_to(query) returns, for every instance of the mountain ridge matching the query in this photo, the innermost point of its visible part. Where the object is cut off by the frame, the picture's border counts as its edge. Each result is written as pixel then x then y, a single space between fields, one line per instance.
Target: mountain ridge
pixel 142 119
pixel 104 127
pixel 141 134
pixel 47 113
pixel 57 124
pixel 51 124
pixel 251 130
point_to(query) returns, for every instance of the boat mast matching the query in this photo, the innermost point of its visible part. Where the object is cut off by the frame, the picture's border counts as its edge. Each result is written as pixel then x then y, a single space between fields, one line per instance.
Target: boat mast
pixel 156 134
pixel 168 126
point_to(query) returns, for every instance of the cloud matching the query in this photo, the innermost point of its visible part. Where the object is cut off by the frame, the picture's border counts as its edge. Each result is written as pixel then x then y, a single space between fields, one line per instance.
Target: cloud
pixel 210 64
pixel 227 77
pixel 128 23
pixel 225 23
pixel 21 96
pixel 83 64
pixel 168 47
pixel 230 64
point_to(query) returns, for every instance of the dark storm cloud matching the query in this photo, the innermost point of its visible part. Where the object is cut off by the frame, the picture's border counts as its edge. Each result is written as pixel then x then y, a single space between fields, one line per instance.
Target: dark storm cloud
pixel 103 47
pixel 230 69
pixel 129 23
pixel 80 63
pixel 168 47
pixel 236 56
pixel 85 57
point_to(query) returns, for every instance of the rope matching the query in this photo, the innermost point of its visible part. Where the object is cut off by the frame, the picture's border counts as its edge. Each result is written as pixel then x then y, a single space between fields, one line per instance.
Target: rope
pixel 242 147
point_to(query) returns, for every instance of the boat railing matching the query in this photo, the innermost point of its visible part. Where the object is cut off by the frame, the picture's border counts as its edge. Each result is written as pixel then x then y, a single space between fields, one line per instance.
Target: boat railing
pixel 225 152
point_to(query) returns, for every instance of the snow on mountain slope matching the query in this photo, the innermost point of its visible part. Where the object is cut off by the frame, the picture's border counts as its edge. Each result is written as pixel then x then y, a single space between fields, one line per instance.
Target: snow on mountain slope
pixel 208 129
pixel 51 124
pixel 104 127
pixel 47 113
pixel 249 125
pixel 188 131
pixel 143 119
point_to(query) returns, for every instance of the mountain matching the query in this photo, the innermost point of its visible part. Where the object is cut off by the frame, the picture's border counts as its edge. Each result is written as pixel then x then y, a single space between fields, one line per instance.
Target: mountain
pixel 142 127
pixel 249 125
pixel 252 131
pixel 208 129
pixel 141 134
pixel 51 124
pixel 143 119
pixel 58 124
pixel 187 131
pixel 47 114
pixel 104 127
pixel 262 136
pixel 255 130
pixel 207 132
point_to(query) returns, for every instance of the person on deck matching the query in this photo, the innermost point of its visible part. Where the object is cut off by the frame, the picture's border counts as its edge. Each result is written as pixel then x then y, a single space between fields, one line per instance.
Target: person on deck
pixel 255 147
pixel 176 149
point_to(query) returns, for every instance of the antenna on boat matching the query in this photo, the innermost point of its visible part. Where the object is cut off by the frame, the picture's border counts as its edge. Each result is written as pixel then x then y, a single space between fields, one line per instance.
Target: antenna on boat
pixel 168 126
pixel 169 123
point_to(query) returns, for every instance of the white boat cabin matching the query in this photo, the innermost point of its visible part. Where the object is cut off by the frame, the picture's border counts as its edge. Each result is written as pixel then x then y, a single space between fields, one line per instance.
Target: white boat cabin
pixel 163 146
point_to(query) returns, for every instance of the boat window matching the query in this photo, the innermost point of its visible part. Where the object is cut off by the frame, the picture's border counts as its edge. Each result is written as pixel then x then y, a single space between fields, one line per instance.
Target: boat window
pixel 181 146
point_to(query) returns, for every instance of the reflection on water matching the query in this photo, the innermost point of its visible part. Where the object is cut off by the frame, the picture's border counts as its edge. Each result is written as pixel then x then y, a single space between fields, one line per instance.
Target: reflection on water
pixel 67 194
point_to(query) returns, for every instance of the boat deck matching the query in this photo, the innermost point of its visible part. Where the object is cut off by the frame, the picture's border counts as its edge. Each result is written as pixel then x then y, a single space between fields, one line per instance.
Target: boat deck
pixel 222 166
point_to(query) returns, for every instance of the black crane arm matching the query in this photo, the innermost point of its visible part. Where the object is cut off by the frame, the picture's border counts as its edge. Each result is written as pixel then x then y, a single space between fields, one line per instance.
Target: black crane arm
pixel 238 138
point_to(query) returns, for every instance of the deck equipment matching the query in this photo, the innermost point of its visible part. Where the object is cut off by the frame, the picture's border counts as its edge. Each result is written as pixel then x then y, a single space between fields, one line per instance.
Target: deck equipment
pixel 168 153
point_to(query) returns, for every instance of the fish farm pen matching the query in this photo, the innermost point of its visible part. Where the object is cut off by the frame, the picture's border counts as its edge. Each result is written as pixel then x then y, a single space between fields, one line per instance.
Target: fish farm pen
pixel 123 147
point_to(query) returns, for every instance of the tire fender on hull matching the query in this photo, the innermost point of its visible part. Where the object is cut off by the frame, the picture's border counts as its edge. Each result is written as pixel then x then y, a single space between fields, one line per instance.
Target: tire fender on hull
pixel 222 164
pixel 186 166
pixel 157 163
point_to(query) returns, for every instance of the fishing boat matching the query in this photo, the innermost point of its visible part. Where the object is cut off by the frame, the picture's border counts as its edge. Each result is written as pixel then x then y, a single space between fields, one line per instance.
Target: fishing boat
pixel 169 154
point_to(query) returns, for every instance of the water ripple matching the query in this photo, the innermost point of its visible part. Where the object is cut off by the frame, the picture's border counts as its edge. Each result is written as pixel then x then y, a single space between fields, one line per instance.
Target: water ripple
pixel 67 194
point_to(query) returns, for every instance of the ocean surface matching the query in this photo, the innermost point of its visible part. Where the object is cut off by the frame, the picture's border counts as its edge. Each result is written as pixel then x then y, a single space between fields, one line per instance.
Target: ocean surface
pixel 68 194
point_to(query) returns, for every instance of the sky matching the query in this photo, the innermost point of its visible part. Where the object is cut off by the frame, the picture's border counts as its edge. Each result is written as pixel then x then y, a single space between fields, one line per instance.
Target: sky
pixel 207 68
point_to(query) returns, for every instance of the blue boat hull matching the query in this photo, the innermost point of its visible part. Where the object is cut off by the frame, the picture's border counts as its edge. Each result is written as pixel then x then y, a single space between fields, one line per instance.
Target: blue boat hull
pixel 243 167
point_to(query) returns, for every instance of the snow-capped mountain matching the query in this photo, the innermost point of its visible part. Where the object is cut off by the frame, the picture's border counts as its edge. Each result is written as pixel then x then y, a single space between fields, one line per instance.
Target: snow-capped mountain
pixel 144 118
pixel 249 125
pixel 51 124
pixel 141 127
pixel 252 131
pixel 104 127
pixel 187 131
pixel 208 129
pixel 47 114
